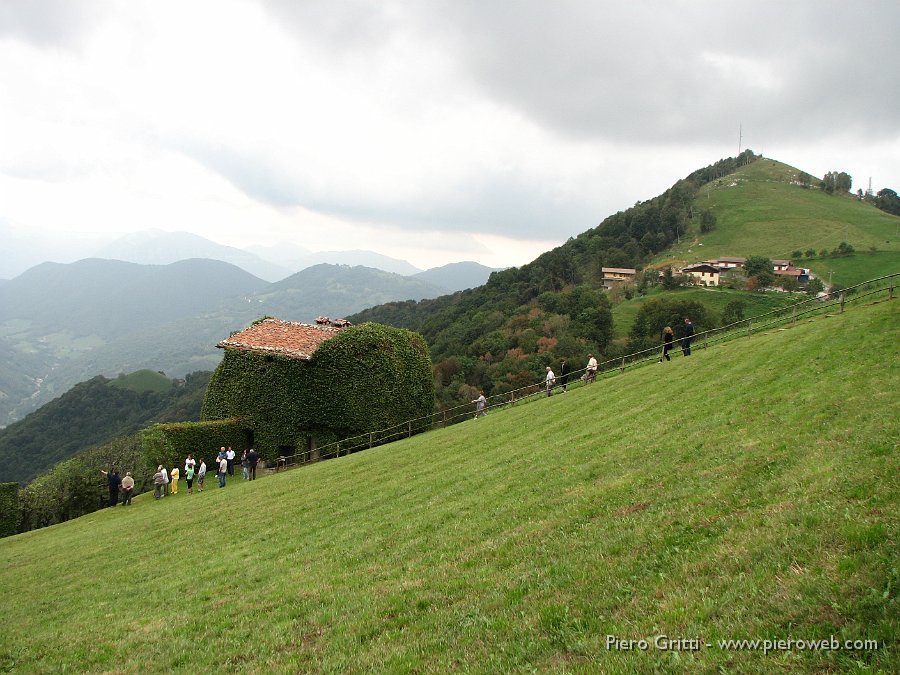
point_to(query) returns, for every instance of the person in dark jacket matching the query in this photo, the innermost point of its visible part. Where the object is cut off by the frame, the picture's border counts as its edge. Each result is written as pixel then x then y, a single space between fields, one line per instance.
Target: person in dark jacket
pixel 688 336
pixel 114 483
pixel 667 343
pixel 253 459
pixel 564 370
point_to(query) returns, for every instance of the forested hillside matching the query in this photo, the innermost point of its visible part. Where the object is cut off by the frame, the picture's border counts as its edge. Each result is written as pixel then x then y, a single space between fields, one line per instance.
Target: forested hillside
pixel 91 414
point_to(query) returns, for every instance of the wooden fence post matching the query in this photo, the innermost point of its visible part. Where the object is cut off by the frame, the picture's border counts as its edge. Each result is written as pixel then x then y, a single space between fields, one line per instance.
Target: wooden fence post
pixel 749 328
pixel 842 302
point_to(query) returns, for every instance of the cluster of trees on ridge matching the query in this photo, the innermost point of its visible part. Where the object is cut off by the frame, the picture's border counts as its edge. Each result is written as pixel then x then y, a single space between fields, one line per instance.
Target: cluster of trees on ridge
pixel 840 182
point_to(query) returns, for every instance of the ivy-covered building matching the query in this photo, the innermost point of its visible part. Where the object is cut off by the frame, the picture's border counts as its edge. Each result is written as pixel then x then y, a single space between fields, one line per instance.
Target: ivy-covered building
pixel 295 386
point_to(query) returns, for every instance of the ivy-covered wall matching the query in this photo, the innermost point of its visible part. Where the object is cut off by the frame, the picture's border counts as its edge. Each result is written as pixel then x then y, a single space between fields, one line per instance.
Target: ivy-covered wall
pixel 9 509
pixel 365 378
pixel 169 444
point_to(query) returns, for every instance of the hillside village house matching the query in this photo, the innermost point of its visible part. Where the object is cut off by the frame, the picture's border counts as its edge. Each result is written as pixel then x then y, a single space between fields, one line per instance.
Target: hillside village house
pixel 617 275
pixel 781 265
pixel 726 262
pixel 801 274
pixel 703 274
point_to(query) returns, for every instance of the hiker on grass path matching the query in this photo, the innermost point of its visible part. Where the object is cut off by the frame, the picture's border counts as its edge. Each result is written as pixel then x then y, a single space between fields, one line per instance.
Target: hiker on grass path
pixel 550 381
pixel 667 344
pixel 591 371
pixel 159 482
pixel 564 370
pixel 127 489
pixel 189 474
pixel 688 336
pixel 114 483
pixel 223 471
pixel 253 459
pixel 479 405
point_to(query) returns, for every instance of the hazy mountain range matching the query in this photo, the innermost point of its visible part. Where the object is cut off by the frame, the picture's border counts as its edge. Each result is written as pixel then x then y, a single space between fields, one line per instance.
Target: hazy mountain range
pixel 61 324
pixel 156 247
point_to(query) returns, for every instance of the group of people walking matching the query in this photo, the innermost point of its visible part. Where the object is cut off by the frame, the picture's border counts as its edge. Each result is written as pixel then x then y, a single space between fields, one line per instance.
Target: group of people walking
pixel 590 371
pixel 669 338
pixel 565 370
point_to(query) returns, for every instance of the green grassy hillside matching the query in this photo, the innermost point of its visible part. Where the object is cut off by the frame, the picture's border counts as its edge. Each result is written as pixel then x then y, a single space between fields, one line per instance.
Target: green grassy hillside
pixel 759 212
pixel 143 380
pixel 755 304
pixel 748 492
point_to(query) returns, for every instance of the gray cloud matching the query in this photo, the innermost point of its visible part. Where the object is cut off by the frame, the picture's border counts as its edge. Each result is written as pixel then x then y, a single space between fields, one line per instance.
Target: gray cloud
pixel 509 204
pixel 669 72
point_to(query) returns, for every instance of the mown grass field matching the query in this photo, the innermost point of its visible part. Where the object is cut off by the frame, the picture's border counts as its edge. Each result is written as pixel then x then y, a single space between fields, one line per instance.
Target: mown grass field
pixel 755 303
pixel 143 380
pixel 749 491
pixel 760 212
pixel 856 268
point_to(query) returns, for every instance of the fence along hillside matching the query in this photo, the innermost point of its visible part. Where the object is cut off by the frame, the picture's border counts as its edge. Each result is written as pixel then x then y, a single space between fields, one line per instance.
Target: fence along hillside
pixel 872 290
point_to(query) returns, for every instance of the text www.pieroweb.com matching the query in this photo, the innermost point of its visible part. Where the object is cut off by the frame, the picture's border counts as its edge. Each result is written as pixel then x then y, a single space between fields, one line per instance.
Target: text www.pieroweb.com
pixel 683 644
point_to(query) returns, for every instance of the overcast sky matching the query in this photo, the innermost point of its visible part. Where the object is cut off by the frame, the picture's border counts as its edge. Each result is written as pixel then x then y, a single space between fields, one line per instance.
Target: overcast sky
pixel 426 130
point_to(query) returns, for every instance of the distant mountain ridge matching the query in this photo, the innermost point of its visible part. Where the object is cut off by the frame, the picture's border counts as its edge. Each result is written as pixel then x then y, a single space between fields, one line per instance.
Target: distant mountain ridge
pixel 157 247
pixel 458 276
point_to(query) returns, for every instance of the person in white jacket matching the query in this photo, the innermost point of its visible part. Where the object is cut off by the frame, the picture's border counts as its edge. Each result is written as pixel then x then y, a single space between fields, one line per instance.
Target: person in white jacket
pixel 550 381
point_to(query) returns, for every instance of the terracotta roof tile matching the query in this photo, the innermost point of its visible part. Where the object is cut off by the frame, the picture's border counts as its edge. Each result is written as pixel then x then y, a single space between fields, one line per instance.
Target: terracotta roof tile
pixel 274 336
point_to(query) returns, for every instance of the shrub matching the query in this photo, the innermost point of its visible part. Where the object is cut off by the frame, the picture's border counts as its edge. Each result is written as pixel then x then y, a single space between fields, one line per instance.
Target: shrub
pixel 9 509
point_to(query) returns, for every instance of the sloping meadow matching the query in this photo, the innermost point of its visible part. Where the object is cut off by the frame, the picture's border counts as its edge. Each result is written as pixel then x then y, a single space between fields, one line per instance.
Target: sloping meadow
pixel 748 492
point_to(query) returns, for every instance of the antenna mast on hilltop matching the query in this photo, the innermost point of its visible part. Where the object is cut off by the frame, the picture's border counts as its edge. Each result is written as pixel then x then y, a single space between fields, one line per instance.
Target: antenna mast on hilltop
pixel 740 137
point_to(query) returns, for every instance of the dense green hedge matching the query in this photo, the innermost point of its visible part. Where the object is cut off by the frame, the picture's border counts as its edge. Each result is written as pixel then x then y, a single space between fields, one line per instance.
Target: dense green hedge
pixel 9 508
pixel 365 378
pixel 169 444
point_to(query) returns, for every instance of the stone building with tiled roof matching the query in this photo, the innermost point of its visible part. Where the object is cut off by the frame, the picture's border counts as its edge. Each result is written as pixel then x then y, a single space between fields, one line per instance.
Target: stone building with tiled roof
pixel 293 387
pixel 285 338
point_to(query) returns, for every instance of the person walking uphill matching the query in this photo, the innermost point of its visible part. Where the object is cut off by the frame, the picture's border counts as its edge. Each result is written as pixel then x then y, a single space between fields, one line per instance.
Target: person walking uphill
pixel 550 381
pixel 688 337
pixel 479 405
pixel 564 371
pixel 667 343
pixel 591 372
